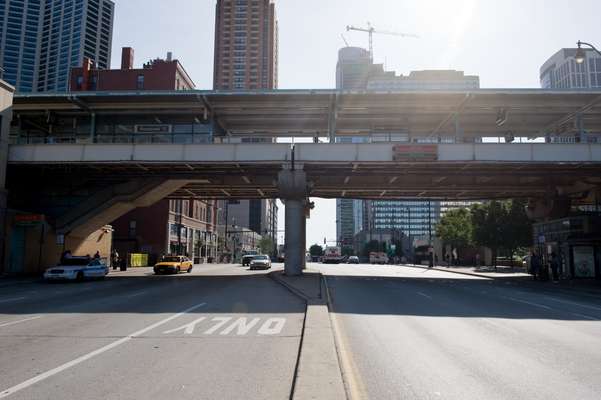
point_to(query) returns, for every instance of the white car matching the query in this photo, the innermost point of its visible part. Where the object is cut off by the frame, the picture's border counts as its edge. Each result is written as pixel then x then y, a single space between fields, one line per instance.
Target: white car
pixel 77 269
pixel 261 262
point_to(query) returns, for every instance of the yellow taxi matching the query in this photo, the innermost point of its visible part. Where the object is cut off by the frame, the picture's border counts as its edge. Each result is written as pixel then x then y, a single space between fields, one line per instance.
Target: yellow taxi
pixel 173 264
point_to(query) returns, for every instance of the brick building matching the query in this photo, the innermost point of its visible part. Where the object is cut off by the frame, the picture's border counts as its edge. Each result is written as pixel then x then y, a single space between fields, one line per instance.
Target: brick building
pixel 183 226
pixel 157 74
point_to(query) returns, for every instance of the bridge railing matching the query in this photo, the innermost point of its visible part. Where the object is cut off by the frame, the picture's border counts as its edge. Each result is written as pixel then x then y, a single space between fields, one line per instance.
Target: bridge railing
pixel 146 138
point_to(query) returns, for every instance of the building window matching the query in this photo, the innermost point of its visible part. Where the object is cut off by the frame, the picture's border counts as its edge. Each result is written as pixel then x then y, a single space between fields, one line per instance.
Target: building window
pixel 132 228
pixel 140 82
pixel 79 82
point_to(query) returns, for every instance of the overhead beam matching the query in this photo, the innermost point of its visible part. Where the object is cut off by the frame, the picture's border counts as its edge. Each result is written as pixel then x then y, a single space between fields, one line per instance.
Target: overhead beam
pixel 569 117
pixel 458 110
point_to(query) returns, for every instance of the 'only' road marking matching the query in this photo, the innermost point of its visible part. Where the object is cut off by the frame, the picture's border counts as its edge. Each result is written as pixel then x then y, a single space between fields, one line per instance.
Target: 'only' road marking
pixel 85 357
pixel 19 321
pixel 242 326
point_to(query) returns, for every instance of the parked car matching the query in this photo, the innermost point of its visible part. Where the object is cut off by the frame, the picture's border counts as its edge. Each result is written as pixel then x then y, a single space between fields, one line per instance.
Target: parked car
pixel 77 269
pixel 173 264
pixel 260 261
pixel 247 259
pixel 353 260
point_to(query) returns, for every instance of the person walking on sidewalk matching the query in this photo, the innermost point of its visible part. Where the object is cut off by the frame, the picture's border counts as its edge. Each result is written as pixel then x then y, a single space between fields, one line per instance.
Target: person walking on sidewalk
pixel 534 265
pixel 554 264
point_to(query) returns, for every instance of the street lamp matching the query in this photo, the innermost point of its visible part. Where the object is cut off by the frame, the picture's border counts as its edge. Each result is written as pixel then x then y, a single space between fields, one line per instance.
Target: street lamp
pixel 580 53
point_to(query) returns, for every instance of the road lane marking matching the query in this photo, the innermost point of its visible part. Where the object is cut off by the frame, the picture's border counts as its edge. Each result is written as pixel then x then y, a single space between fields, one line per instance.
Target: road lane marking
pixel 12 299
pixel 137 293
pixel 243 326
pixel 187 328
pixel 353 384
pixel 240 326
pixel 528 302
pixel 19 321
pixel 85 357
pixel 220 322
pixel 424 295
pixel 572 303
pixel 272 326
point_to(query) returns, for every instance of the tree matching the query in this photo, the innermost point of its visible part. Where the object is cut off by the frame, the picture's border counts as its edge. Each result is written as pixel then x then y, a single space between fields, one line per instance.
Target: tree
pixel 455 228
pixel 266 245
pixel 316 250
pixel 488 224
pixel 518 229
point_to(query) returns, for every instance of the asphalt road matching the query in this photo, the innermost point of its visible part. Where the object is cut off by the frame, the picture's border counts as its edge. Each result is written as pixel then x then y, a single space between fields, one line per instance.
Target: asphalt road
pixel 222 332
pixel 408 333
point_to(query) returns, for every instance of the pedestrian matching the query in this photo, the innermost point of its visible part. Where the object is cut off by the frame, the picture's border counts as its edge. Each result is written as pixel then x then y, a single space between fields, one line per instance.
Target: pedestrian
pixel 114 259
pixel 477 260
pixel 534 265
pixel 97 255
pixel 554 264
pixel 66 254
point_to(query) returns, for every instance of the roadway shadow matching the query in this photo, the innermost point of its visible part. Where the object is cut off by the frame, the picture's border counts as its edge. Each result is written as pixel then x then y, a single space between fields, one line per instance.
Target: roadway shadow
pixel 458 297
pixel 149 293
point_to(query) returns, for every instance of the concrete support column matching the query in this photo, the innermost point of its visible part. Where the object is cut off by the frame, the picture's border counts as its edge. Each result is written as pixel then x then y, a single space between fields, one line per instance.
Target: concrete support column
pixel 295 241
pixel 292 184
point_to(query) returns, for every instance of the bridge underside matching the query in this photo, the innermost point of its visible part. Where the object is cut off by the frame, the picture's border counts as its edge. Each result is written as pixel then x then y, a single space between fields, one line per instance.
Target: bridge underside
pixel 440 180
pixel 366 171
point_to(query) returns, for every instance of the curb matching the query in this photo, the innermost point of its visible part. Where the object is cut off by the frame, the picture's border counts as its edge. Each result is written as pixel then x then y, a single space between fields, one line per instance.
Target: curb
pixel 318 374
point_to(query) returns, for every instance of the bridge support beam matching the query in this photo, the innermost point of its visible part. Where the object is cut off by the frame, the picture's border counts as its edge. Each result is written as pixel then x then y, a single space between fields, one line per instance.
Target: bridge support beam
pixel 293 191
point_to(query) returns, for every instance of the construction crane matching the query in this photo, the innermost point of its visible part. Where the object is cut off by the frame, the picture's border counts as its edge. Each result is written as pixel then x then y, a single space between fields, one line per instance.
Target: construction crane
pixel 371 30
pixel 343 38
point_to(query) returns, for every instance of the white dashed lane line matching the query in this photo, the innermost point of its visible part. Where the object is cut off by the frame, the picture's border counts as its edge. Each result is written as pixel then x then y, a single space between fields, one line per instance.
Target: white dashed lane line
pixel 425 295
pixel 12 299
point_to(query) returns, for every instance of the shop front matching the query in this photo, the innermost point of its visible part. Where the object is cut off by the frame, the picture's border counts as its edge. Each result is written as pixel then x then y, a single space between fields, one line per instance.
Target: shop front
pixel 576 241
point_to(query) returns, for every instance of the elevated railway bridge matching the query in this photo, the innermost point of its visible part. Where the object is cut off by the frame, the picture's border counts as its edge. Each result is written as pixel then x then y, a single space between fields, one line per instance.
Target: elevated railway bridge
pixel 84 160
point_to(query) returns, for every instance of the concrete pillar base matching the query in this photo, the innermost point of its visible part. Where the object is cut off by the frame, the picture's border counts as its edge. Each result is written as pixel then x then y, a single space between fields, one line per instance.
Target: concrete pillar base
pixel 295 242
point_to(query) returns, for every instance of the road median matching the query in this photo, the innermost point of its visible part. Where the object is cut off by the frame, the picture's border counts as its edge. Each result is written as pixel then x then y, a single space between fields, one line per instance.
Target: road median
pixel 318 374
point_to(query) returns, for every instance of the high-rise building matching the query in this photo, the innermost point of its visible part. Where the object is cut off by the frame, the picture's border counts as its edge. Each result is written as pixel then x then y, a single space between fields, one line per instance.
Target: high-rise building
pixel 40 40
pixel 246 45
pixel 246 58
pixel 561 71
pixel 415 218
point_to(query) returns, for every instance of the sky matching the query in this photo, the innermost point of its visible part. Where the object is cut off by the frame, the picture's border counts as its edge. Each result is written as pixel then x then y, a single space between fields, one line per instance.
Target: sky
pixel 505 43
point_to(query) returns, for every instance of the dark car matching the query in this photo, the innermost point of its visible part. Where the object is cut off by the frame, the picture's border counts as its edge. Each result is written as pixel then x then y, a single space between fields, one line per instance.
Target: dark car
pixel 247 259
